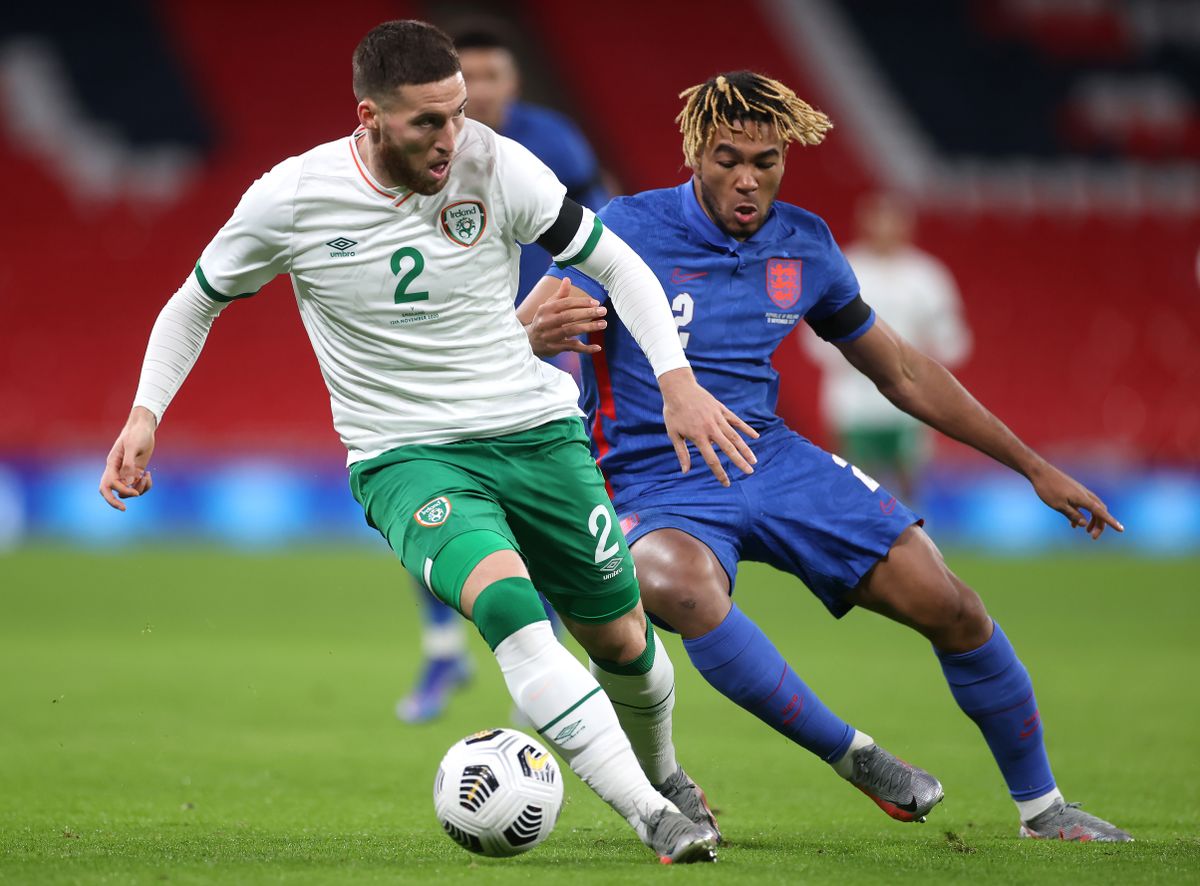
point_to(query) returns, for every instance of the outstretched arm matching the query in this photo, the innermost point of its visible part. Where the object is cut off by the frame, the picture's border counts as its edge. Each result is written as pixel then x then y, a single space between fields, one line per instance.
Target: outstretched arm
pixel 926 390
pixel 691 414
pixel 175 344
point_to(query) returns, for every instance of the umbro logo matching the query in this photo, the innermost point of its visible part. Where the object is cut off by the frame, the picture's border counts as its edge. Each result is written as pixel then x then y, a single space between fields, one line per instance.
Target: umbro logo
pixel 568 732
pixel 342 247
pixel 612 565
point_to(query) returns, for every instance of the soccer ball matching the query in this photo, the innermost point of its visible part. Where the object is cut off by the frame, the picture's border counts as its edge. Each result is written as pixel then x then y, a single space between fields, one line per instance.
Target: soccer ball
pixel 498 793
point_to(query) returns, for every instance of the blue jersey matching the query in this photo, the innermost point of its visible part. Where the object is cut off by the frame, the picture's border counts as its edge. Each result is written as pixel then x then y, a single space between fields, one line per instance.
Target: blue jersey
pixel 558 143
pixel 734 302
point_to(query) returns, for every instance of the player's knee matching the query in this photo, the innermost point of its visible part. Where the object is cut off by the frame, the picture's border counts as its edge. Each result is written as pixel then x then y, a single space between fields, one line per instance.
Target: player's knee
pixel 504 607
pixel 617 642
pixel 954 617
pixel 972 625
pixel 692 600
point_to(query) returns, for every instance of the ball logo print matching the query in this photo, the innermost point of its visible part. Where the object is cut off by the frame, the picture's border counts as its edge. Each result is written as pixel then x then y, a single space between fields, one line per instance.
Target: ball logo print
pixel 783 281
pixel 433 512
pixel 464 222
pixel 498 793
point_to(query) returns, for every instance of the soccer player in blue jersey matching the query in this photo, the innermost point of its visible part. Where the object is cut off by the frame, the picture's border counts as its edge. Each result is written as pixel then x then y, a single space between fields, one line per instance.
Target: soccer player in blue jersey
pixel 493 98
pixel 741 271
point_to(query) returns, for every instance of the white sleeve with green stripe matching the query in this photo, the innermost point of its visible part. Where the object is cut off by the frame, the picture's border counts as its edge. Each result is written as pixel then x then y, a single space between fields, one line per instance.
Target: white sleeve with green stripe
pixel 635 291
pixel 250 249
pixel 175 343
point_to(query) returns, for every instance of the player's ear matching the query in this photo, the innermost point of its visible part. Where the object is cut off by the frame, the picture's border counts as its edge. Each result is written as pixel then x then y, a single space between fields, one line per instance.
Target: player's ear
pixel 368 114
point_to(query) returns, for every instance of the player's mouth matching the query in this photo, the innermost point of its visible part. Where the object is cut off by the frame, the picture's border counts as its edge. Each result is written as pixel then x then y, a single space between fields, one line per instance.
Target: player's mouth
pixel 440 170
pixel 745 213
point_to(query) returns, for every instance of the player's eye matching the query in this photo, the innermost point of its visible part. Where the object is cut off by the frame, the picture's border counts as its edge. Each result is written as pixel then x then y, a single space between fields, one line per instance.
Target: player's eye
pixel 766 165
pixel 727 164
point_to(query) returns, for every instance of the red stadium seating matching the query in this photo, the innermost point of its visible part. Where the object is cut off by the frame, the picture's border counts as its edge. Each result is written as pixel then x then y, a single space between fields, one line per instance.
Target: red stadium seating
pixel 1087 329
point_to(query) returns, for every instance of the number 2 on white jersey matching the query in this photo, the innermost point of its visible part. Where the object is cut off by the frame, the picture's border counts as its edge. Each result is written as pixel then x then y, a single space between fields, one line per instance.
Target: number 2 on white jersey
pixel 403 296
pixel 684 308
pixel 600 515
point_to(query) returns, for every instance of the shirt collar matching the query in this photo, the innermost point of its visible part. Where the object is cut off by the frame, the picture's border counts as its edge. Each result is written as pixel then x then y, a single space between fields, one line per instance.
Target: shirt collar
pixel 697 219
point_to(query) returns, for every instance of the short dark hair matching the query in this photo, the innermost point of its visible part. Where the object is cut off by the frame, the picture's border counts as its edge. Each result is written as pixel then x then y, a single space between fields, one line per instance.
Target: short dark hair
pixel 399 53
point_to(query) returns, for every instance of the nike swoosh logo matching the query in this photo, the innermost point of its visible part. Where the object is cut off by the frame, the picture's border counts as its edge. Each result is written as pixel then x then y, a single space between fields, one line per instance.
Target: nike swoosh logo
pixel 910 806
pixel 678 275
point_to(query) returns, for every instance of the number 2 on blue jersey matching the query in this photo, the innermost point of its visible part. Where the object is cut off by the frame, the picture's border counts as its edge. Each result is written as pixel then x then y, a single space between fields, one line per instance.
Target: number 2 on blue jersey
pixel 684 308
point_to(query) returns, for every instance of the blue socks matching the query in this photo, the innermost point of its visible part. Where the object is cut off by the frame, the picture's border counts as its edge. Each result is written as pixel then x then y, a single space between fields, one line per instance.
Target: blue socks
pixel 743 665
pixel 993 688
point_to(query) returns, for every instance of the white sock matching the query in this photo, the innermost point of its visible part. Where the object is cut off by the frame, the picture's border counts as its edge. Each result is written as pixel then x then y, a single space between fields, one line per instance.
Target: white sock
pixel 445 640
pixel 576 718
pixel 844 765
pixel 643 704
pixel 1028 809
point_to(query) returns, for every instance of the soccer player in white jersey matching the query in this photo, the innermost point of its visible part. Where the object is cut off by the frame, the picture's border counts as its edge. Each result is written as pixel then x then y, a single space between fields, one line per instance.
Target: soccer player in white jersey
pixel 466 452
pixel 917 294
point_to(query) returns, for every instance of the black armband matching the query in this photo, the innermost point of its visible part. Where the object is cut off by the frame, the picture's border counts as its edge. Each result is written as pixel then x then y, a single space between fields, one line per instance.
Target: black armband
pixel 842 322
pixel 560 234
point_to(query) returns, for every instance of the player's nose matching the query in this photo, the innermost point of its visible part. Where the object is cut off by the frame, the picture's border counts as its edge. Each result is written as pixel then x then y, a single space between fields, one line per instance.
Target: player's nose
pixel 746 183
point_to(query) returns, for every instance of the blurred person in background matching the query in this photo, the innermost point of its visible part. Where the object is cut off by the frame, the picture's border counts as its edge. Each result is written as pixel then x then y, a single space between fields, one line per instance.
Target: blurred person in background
pixel 493 79
pixel 917 294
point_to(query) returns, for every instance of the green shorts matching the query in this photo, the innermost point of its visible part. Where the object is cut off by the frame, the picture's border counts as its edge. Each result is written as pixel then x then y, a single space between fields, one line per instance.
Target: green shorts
pixel 894 448
pixel 539 493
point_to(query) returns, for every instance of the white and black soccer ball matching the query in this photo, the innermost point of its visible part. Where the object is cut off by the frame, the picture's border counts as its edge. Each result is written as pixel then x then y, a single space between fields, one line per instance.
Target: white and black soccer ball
pixel 498 793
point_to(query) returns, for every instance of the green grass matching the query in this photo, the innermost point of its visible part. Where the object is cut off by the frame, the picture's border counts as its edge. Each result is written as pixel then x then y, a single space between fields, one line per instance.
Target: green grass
pixel 196 716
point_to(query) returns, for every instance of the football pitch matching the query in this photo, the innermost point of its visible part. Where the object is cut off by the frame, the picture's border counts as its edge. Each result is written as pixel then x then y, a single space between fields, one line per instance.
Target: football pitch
pixel 200 716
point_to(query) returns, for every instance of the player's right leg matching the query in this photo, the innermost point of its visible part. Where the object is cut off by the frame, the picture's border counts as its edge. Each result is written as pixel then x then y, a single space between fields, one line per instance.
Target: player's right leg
pixel 452 535
pixel 685 585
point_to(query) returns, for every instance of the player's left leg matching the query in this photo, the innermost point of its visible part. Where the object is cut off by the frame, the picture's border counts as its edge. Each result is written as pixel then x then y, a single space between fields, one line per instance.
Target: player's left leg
pixel 914 586
pixel 686 584
pixel 447 665
pixel 579 558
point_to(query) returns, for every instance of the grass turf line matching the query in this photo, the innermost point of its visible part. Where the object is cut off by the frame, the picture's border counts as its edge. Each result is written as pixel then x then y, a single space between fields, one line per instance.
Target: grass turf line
pixel 194 716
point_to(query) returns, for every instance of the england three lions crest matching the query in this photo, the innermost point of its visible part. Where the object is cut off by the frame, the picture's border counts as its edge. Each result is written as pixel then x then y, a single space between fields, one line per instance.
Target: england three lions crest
pixel 783 281
pixel 464 222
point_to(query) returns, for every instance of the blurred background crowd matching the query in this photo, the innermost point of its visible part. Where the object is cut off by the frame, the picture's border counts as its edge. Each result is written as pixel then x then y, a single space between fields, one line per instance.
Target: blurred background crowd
pixel 1016 182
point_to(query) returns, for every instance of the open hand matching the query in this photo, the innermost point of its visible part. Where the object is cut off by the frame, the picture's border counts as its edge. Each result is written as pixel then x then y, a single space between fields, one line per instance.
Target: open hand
pixel 692 414
pixel 125 471
pixel 1070 498
pixel 562 317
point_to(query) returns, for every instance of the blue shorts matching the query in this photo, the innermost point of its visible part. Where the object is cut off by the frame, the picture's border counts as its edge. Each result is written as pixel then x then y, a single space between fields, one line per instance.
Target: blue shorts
pixel 803 511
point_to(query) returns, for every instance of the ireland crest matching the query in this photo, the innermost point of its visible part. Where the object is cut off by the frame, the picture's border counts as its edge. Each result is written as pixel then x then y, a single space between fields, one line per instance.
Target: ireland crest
pixel 433 512
pixel 464 221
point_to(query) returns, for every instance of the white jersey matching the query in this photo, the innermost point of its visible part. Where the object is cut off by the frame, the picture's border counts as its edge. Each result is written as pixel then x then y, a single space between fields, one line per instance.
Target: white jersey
pixel 407 299
pixel 915 294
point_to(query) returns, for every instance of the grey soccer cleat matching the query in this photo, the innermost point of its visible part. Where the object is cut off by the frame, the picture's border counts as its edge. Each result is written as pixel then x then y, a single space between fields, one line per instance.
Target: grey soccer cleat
pixel 1066 821
pixel 904 792
pixel 676 839
pixel 690 799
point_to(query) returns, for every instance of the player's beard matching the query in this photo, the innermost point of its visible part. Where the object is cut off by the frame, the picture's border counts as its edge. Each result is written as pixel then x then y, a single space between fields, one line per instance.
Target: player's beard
pixel 407 170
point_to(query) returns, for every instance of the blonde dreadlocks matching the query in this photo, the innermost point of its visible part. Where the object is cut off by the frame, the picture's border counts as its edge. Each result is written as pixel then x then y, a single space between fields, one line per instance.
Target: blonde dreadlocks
pixel 730 100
